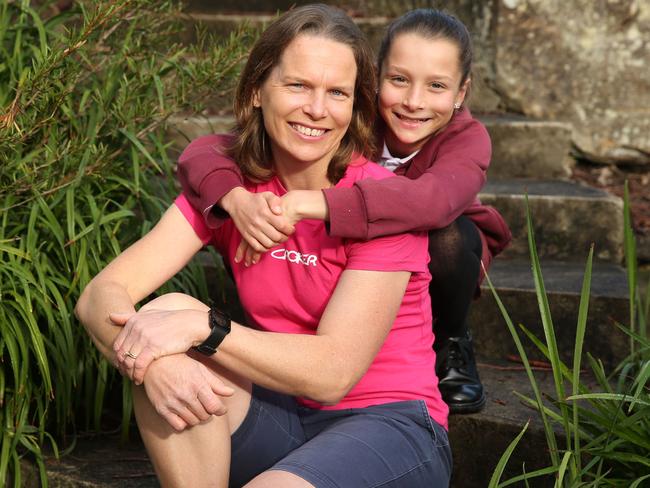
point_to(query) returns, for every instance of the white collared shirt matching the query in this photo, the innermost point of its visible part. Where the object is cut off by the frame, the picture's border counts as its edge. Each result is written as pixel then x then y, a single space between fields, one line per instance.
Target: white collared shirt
pixel 388 161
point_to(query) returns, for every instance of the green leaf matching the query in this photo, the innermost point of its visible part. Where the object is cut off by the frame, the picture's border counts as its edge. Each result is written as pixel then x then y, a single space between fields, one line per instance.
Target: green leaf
pixel 630 257
pixel 608 396
pixel 547 323
pixel 581 327
pixel 505 457
pixel 562 469
pixel 638 481
pixel 12 250
pixel 141 148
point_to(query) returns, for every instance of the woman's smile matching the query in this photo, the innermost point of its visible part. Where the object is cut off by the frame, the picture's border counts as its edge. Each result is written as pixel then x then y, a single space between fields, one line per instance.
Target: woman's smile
pixel 309 132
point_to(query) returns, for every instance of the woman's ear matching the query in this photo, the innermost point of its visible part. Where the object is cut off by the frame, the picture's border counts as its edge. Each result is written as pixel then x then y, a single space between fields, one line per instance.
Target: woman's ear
pixel 256 99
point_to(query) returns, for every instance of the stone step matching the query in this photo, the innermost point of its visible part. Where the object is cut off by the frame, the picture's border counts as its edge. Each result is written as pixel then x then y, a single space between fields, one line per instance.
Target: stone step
pixel 477 441
pixel 526 148
pixel 221 25
pixel 519 146
pixel 567 218
pixel 513 281
pixel 181 129
pixel 239 6
pixel 354 8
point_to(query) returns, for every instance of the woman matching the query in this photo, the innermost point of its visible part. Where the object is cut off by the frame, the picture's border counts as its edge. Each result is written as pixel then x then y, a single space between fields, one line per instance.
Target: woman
pixel 441 154
pixel 334 384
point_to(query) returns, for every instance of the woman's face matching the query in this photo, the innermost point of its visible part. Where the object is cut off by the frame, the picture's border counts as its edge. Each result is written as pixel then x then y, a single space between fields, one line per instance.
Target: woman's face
pixel 307 100
pixel 418 86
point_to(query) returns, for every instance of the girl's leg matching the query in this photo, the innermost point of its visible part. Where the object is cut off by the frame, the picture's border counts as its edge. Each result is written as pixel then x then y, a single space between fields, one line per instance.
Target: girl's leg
pixel 199 455
pixel 455 267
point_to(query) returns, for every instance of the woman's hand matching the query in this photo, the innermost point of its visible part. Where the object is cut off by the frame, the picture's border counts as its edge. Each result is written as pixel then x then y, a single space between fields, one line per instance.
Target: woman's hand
pixel 185 392
pixel 258 217
pixel 151 334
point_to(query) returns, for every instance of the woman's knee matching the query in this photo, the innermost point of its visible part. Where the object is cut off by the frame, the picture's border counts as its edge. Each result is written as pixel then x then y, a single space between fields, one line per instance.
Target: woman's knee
pixel 174 301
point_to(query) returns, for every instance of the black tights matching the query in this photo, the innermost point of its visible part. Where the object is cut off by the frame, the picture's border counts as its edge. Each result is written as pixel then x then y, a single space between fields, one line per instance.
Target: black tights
pixel 455 265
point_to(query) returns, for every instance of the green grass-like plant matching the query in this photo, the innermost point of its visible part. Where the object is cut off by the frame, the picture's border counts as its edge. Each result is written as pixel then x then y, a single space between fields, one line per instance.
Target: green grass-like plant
pixel 605 430
pixel 84 172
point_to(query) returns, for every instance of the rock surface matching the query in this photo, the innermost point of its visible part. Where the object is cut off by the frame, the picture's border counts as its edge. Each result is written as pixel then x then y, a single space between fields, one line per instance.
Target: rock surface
pixel 581 62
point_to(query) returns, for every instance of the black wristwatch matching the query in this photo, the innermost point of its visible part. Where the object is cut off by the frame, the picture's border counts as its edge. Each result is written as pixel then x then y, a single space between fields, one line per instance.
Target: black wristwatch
pixel 219 329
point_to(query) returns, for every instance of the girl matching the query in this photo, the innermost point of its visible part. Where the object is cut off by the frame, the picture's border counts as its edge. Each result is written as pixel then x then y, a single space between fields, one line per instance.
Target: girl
pixel 333 385
pixel 441 154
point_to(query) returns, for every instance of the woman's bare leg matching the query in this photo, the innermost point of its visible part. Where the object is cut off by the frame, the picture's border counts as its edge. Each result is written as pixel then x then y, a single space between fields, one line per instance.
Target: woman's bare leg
pixel 272 479
pixel 199 455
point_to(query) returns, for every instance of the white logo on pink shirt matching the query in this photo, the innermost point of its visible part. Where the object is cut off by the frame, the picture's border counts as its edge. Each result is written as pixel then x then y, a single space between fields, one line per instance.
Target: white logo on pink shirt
pixel 294 257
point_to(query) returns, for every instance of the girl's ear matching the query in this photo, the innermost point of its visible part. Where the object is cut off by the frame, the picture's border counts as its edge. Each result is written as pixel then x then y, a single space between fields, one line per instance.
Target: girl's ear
pixel 256 99
pixel 463 91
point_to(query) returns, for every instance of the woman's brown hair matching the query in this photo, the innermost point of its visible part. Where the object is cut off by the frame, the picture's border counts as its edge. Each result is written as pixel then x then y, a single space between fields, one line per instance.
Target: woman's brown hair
pixel 251 148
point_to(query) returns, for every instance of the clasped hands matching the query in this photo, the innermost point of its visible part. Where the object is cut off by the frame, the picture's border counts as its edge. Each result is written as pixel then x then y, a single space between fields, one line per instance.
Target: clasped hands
pixel 265 219
pixel 150 334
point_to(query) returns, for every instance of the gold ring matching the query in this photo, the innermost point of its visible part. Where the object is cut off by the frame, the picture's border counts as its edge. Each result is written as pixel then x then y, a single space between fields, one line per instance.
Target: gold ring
pixel 131 355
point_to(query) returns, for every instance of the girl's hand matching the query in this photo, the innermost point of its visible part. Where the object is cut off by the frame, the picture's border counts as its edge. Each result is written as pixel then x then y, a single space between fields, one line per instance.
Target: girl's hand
pixel 258 217
pixel 151 334
pixel 295 206
pixel 185 392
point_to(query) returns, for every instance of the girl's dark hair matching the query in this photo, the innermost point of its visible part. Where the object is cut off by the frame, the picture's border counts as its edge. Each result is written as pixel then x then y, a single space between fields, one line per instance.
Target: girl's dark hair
pixel 251 148
pixel 431 24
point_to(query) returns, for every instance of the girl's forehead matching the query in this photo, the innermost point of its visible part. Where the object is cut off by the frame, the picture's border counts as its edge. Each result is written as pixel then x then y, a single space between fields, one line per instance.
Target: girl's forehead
pixel 417 52
pixel 414 41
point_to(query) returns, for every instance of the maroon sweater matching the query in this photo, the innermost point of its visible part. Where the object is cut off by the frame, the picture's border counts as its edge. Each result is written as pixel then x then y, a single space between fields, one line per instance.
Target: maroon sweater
pixel 434 188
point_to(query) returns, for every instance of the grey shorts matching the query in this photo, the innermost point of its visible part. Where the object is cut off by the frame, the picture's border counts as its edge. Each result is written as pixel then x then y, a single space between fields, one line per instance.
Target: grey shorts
pixel 395 445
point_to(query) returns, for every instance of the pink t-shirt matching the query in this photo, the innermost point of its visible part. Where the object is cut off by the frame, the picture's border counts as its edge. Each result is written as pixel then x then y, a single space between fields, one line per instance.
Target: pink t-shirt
pixel 287 291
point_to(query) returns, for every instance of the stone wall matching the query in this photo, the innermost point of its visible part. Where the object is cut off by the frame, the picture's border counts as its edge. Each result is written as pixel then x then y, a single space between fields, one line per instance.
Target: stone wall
pixel 582 61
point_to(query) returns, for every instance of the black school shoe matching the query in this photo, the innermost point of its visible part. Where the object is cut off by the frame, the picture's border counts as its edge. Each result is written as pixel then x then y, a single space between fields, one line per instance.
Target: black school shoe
pixel 458 380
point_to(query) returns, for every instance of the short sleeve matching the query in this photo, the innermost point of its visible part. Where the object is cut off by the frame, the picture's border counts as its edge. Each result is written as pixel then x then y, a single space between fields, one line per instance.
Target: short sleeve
pixel 194 218
pixel 400 252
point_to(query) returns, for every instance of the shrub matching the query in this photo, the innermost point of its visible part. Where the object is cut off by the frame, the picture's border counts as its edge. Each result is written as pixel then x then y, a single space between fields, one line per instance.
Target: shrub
pixel 84 171
pixel 606 429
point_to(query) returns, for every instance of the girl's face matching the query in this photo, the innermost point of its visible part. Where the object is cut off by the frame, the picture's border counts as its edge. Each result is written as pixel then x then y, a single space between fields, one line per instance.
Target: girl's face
pixel 418 87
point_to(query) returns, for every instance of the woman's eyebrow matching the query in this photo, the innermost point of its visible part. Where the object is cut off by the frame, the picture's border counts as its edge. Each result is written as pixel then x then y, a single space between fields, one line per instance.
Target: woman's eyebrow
pixel 297 78
pixel 289 78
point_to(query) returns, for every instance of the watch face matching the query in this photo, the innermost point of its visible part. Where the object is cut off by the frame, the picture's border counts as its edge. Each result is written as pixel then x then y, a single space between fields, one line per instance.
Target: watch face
pixel 222 319
pixel 219 329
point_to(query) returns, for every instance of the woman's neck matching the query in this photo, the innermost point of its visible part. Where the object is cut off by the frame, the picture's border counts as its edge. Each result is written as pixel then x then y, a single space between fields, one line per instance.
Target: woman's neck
pixel 301 175
pixel 304 178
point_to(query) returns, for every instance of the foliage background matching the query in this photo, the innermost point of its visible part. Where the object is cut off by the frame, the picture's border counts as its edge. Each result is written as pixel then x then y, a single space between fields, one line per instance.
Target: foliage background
pixel 84 171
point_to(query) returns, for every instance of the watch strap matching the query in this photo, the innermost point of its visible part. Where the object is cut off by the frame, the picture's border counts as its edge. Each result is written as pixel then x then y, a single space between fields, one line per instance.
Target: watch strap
pixel 219 328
